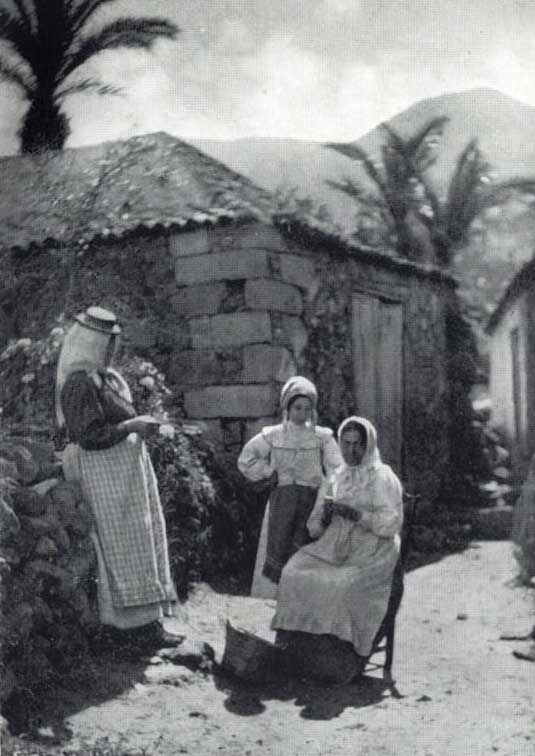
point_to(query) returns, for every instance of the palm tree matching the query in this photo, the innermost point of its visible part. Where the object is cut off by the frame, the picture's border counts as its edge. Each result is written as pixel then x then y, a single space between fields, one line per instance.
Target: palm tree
pixel 427 226
pixel 399 179
pixel 47 42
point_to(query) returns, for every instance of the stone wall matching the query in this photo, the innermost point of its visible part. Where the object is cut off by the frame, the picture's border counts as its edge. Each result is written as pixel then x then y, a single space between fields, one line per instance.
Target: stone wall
pixel 229 313
pixel 242 291
pixel 329 358
pixel 261 307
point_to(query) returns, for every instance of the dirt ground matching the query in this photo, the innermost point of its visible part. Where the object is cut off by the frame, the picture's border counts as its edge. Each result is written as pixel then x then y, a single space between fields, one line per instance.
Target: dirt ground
pixel 459 689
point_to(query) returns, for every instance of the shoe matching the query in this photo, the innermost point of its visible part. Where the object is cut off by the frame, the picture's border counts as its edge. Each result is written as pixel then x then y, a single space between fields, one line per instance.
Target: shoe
pixel 155 635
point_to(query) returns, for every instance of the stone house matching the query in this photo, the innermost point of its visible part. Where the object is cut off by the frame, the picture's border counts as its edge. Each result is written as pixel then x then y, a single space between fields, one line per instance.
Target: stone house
pixel 511 333
pixel 228 298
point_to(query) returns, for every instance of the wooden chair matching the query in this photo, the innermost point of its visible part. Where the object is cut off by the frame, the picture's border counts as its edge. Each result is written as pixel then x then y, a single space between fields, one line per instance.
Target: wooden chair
pixel 384 640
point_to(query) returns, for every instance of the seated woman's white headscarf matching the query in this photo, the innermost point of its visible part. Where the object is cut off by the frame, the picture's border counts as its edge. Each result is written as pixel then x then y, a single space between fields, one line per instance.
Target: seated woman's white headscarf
pixel 349 481
pixel 359 476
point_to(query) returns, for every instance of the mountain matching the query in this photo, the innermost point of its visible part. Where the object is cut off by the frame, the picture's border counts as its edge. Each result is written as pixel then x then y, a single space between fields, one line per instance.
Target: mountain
pixel 504 127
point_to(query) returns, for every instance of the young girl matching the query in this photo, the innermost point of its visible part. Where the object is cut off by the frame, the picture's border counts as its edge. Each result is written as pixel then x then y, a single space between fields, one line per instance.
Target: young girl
pixel 296 454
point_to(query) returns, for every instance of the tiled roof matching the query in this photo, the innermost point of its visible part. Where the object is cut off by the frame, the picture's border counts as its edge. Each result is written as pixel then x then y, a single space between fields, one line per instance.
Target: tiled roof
pixel 117 187
pixel 146 182
pixel 313 233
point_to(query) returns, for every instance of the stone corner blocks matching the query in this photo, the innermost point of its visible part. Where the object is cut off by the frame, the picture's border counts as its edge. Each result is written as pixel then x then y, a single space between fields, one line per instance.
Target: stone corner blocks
pixel 221 266
pixel 231 401
pixel 262 294
pixel 230 330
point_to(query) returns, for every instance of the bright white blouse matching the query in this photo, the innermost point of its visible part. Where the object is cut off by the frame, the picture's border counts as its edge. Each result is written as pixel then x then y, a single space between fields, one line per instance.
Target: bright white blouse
pixel 300 455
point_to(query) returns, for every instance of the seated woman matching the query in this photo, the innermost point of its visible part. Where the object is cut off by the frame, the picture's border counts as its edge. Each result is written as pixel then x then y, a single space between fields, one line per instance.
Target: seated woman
pixel 338 587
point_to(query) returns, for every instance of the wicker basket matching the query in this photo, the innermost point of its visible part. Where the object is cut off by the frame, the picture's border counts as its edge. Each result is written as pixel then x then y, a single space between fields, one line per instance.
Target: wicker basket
pixel 250 657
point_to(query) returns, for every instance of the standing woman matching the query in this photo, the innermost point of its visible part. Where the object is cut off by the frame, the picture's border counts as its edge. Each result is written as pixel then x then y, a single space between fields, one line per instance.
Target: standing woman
pixel 107 455
pixel 295 455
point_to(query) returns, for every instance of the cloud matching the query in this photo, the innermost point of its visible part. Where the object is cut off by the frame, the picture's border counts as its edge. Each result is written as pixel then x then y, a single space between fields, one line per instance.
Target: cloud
pixel 324 69
pixel 511 72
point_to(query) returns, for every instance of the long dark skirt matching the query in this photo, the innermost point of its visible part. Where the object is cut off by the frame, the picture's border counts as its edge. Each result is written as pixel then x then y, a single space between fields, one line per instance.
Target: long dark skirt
pixel 289 509
pixel 320 657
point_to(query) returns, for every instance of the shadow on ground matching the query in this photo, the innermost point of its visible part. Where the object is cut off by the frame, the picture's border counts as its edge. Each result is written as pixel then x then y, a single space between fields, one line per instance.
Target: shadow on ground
pixel 99 679
pixel 316 701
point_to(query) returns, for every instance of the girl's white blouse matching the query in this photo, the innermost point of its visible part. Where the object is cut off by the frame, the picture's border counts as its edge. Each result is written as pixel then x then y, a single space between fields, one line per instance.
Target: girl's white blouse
pixel 300 455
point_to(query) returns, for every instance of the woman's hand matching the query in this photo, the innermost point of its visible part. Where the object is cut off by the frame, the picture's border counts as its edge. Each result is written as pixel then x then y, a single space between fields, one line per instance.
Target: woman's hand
pixel 144 425
pixel 265 485
pixel 343 510
pixel 315 528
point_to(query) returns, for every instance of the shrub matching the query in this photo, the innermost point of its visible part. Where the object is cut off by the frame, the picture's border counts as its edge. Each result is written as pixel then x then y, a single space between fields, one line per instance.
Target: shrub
pixel 212 516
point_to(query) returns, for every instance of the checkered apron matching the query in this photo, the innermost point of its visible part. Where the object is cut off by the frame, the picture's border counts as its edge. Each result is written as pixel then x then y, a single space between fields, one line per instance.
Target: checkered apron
pixel 120 485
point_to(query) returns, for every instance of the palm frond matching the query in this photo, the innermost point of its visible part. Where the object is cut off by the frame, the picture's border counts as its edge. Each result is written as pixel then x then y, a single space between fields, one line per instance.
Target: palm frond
pixel 467 194
pixel 141 33
pixel 394 140
pixel 421 145
pixel 80 12
pixel 518 184
pixel 347 186
pixel 13 73
pixel 24 13
pixel 17 32
pixel 86 85
pixel 356 153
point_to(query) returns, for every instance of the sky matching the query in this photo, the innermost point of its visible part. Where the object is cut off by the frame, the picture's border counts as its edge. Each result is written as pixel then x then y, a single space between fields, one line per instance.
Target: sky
pixel 304 69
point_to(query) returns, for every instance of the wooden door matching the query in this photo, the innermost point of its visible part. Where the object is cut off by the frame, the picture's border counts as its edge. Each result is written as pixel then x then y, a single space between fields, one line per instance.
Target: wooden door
pixel 377 330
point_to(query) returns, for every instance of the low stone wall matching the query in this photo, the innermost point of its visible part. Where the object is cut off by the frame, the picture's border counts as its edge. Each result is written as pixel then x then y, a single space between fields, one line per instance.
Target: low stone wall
pixel 47 562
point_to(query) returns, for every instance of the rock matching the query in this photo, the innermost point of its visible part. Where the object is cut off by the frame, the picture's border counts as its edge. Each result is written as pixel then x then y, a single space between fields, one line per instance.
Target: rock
pixel 501 455
pixel 8 682
pixel 65 502
pixel 191 654
pixel 507 492
pixel 27 467
pixel 10 555
pixel 45 547
pixel 39 526
pixel 21 620
pixel 9 522
pixel 483 407
pixel 44 486
pixel 490 491
pixel 28 502
pixel 81 560
pixel 40 568
pixel 491 436
pixel 502 474
pixel 493 522
pixel 8 469
pixel 462 616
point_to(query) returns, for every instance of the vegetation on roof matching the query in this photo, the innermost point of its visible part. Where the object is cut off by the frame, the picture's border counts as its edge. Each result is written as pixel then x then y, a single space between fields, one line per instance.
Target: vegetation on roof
pixel 110 189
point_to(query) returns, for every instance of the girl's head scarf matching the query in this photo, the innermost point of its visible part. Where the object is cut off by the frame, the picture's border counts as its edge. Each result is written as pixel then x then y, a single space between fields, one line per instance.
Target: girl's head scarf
pixel 299 386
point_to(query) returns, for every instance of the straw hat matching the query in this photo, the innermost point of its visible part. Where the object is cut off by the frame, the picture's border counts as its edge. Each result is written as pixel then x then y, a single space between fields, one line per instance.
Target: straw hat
pixel 99 319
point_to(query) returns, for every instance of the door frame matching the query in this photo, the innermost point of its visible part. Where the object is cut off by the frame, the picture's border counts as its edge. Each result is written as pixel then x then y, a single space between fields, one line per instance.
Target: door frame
pixel 398 297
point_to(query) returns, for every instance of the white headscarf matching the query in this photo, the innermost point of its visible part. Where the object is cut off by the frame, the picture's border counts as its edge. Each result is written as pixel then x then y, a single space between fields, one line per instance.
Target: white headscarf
pixel 83 349
pixel 362 474
pixel 298 385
